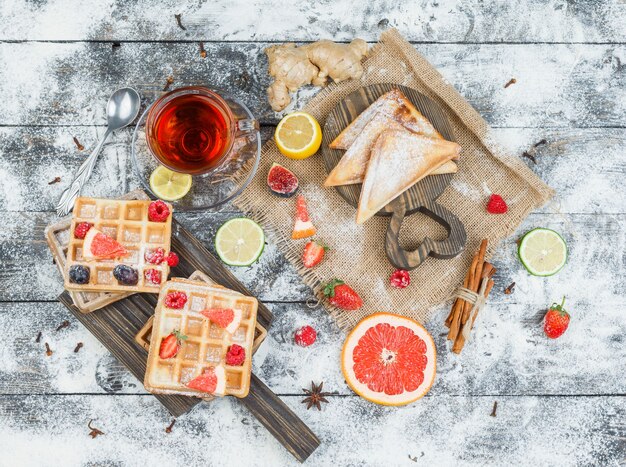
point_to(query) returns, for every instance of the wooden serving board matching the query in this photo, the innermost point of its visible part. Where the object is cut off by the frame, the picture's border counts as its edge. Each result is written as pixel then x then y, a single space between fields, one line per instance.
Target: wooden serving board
pixel 117 324
pixel 421 197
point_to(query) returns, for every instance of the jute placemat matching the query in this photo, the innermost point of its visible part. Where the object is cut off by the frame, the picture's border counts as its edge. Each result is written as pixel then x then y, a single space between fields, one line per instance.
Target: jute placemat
pixel 357 253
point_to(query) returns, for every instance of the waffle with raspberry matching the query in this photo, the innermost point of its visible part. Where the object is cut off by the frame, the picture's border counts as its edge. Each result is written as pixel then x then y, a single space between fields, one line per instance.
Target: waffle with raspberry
pixel 118 245
pixel 201 341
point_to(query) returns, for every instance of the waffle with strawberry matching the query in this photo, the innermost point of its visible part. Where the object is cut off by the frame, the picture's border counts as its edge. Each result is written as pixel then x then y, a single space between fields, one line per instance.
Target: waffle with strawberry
pixel 119 245
pixel 201 341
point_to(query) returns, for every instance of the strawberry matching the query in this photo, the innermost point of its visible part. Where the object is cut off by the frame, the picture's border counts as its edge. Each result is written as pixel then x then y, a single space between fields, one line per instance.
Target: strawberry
pixel 170 345
pixel 313 254
pixel 556 320
pixel 303 227
pixel 342 295
pixel 496 205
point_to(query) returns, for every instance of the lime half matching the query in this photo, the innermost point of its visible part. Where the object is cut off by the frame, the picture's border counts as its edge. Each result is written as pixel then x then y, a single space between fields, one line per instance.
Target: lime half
pixel 543 252
pixel 239 242
pixel 169 185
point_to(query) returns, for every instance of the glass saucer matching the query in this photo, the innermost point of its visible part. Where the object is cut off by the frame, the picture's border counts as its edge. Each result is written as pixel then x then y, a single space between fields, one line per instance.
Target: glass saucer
pixel 220 185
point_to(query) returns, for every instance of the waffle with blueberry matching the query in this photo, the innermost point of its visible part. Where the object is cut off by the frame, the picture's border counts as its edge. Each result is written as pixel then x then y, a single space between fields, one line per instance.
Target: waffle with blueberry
pixel 119 246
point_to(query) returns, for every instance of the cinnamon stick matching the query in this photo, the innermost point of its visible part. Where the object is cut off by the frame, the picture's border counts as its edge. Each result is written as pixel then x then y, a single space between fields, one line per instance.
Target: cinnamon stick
pixel 457 303
pixel 456 318
pixel 476 278
pixel 459 343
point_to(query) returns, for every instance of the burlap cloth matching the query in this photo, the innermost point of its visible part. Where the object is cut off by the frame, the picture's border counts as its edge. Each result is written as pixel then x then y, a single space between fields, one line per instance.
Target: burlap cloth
pixel 357 253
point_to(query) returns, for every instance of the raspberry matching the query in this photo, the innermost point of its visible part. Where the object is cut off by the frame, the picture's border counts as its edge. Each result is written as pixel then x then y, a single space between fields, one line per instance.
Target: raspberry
pixel 400 279
pixel 305 336
pixel 236 355
pixel 81 230
pixel 153 276
pixel 155 256
pixel 172 259
pixel 175 300
pixel 158 211
pixel 496 205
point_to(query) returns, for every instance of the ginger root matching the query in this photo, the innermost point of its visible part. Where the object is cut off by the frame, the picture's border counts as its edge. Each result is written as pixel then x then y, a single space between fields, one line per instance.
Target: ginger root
pixel 293 67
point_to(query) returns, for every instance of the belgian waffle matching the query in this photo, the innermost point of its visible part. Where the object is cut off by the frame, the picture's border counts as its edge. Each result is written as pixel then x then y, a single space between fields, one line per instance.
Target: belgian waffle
pixel 206 343
pixel 58 235
pixel 127 222
pixel 143 336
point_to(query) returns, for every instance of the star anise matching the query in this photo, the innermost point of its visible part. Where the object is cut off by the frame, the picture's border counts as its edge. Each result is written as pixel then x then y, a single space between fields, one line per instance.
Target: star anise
pixel 314 396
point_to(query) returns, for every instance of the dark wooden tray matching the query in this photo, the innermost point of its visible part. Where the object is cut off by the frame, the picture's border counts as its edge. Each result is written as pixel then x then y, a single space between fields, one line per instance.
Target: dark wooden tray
pixel 420 197
pixel 117 324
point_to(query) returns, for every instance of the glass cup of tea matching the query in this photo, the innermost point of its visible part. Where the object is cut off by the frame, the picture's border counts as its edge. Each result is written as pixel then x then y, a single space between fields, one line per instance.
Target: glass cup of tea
pixel 192 130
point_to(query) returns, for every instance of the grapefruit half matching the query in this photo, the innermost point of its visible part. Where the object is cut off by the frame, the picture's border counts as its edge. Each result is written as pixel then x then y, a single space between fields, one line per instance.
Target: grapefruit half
pixel 389 359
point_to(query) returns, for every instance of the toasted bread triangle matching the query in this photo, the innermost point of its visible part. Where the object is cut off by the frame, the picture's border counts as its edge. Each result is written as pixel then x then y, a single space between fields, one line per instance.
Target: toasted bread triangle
pixel 395 105
pixel 399 159
pixel 392 111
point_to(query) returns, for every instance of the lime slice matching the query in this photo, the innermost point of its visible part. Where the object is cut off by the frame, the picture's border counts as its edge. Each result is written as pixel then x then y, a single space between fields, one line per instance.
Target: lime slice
pixel 169 185
pixel 543 252
pixel 239 242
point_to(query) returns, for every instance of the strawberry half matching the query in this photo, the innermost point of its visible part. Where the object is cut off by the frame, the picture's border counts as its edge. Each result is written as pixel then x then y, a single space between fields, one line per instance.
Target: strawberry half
pixel 303 227
pixel 170 345
pixel 342 295
pixel 556 320
pixel 313 254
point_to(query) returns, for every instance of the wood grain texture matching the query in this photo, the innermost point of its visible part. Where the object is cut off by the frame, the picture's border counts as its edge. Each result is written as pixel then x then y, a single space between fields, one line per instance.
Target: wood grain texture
pixel 557 85
pixel 425 21
pixel 568 61
pixel 453 430
pixel 32 157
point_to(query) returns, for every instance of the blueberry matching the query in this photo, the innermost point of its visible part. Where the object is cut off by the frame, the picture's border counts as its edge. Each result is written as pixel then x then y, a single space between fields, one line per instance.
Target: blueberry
pixel 125 274
pixel 79 274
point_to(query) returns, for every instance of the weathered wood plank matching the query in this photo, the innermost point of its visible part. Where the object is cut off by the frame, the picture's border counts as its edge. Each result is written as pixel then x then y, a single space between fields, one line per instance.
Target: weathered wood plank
pixel 597 256
pixel 441 21
pixel 69 83
pixel 26 259
pixel 508 353
pixel 434 431
pixel 31 157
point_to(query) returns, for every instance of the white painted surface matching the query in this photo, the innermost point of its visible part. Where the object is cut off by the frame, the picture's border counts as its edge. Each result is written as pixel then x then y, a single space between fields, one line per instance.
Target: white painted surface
pixel 559 401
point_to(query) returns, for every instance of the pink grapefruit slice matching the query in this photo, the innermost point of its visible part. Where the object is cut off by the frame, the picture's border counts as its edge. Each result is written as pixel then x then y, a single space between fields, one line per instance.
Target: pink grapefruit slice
pixel 100 246
pixel 212 380
pixel 226 318
pixel 389 359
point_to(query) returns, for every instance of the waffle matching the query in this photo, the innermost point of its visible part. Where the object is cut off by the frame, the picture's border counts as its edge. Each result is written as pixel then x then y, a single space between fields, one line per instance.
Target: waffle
pixel 127 222
pixel 143 336
pixel 206 344
pixel 57 236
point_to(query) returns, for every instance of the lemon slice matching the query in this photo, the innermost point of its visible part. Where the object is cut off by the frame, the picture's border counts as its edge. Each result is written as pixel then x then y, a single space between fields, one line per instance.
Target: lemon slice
pixel 169 185
pixel 543 252
pixel 298 135
pixel 239 242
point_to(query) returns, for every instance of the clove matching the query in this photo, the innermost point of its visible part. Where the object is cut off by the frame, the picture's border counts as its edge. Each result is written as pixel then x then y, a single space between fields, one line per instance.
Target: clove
pixel 94 431
pixel 77 143
pixel 179 22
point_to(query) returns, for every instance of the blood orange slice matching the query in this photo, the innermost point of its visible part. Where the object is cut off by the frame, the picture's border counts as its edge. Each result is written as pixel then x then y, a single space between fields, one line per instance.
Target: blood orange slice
pixel 100 246
pixel 389 359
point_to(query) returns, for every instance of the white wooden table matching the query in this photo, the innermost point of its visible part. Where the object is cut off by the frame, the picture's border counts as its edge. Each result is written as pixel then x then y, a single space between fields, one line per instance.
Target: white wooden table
pixel 559 402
